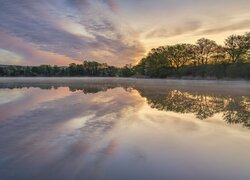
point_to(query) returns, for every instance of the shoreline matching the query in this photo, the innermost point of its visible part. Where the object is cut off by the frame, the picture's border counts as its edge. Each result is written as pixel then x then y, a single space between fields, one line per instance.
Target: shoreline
pixel 129 78
pixel 222 86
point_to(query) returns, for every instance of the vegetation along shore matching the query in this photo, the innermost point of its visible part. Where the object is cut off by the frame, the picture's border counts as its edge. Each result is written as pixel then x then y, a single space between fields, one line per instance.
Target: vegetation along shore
pixel 204 59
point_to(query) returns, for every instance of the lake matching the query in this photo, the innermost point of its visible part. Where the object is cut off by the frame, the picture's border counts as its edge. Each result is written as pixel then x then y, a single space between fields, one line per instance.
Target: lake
pixel 126 129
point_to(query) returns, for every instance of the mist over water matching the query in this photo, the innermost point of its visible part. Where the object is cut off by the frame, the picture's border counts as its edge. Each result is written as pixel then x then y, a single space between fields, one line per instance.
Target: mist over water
pixel 103 128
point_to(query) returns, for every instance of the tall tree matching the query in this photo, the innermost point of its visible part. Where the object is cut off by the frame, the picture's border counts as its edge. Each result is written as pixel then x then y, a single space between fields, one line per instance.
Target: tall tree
pixel 156 62
pixel 205 48
pixel 236 46
pixel 180 54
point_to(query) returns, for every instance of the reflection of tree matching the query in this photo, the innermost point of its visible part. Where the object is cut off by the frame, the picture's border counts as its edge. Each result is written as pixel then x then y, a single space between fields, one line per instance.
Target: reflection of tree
pixel 235 109
pixel 238 111
pixel 206 106
pixel 91 89
pixel 85 88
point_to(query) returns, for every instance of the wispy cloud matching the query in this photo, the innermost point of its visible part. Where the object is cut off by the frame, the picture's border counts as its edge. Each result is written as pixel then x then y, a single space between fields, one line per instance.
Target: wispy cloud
pixel 113 4
pixel 105 39
pixel 112 31
pixel 232 26
pixel 28 54
pixel 174 30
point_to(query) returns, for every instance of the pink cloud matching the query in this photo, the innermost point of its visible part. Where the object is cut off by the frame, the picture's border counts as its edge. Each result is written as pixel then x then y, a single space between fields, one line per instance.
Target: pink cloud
pixel 29 53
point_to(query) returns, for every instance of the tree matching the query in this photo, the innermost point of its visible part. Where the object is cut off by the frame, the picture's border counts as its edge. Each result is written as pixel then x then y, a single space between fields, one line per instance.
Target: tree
pixel 180 54
pixel 236 46
pixel 205 48
pixel 247 38
pixel 126 71
pixel 72 69
pixel 219 55
pixel 155 63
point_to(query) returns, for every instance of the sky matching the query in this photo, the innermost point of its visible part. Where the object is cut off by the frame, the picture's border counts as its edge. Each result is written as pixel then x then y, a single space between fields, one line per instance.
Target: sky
pixel 117 32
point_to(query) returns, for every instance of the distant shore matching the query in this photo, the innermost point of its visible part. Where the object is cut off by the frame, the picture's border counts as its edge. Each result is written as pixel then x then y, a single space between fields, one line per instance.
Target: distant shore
pixel 132 78
pixel 232 87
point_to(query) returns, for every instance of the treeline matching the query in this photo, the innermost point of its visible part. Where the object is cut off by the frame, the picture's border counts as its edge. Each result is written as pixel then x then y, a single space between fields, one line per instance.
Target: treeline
pixel 204 59
pixel 87 68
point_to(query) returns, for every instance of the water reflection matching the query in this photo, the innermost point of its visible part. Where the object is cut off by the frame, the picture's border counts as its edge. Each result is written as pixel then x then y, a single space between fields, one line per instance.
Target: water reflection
pixel 66 135
pixel 235 109
pixel 122 130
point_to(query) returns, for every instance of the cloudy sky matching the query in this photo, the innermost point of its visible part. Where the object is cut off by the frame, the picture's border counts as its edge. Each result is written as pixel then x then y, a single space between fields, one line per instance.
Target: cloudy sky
pixel 118 32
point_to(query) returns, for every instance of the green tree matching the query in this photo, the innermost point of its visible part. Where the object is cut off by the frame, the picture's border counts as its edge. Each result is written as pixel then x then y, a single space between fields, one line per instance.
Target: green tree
pixel 180 54
pixel 205 48
pixel 237 46
pixel 126 71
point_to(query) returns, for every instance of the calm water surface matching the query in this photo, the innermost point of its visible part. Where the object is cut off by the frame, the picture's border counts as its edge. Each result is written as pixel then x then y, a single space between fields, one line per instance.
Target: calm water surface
pixel 124 129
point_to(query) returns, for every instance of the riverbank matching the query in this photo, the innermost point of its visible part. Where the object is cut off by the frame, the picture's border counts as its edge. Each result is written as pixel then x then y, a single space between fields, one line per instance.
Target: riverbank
pixel 221 86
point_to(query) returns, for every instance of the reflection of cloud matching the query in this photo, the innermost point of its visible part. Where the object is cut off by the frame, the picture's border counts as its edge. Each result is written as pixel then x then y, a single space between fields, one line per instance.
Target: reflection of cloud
pixel 6 96
pixel 79 137
pixel 48 138
pixel 27 99
pixel 99 164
